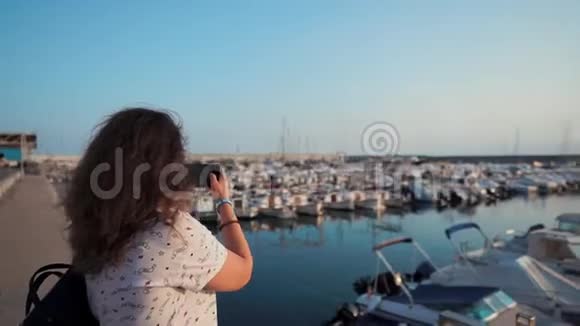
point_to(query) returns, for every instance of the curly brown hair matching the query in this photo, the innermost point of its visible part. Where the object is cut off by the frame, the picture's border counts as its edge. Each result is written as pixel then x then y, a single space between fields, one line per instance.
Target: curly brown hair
pixel 101 228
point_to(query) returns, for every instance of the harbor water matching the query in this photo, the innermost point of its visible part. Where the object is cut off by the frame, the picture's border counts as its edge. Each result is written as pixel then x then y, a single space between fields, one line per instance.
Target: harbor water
pixel 304 269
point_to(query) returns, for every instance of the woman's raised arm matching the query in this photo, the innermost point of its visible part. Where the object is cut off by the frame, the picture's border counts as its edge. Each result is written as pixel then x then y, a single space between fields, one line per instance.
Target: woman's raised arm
pixel 237 269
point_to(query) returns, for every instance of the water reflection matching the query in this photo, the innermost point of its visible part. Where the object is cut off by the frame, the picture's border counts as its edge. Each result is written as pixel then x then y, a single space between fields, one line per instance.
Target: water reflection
pixel 303 232
pixel 309 264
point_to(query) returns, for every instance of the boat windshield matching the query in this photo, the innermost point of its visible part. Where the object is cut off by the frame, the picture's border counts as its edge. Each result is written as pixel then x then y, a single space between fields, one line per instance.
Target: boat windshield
pixel 569 226
pixel 489 307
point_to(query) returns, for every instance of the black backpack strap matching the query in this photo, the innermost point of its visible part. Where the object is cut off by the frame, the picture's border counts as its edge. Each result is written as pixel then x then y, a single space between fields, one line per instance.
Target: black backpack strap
pixel 47 268
pixel 38 278
pixel 33 298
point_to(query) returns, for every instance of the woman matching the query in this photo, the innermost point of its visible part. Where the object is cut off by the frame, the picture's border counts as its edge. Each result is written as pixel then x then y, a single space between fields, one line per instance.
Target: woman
pixel 146 260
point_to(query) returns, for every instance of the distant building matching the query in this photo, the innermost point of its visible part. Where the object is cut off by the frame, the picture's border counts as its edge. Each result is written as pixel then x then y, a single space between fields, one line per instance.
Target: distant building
pixel 17 147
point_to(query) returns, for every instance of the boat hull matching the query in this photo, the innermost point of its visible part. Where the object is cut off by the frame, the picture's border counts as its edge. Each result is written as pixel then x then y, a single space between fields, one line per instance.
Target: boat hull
pixel 309 209
pixel 246 214
pixel 344 205
pixel 376 205
pixel 394 203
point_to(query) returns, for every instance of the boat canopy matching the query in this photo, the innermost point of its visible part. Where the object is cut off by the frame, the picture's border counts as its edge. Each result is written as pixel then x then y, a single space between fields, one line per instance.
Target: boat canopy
pixel 462 226
pixel 391 242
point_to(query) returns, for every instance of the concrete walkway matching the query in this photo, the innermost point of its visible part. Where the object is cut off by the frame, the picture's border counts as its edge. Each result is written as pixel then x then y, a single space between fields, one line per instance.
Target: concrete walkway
pixel 31 235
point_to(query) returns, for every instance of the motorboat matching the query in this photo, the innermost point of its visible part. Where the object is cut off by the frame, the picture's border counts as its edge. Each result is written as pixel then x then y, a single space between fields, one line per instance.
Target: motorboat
pixel 488 189
pixel 342 201
pixel 245 210
pixel 551 182
pixel 394 200
pixel 203 209
pixel 372 201
pixel 561 184
pixel 544 185
pixel 528 280
pixel 393 298
pixel 523 186
pixel 275 209
pixel 557 247
pixel 423 194
pixel 303 205
pixel 462 196
pixel 572 180
pixel 443 198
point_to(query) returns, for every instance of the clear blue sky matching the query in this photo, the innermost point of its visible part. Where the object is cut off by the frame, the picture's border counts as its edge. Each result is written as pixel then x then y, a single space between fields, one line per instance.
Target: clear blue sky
pixel 455 77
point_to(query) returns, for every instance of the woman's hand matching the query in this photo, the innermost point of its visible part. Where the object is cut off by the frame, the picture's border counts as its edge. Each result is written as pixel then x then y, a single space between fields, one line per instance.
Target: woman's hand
pixel 220 189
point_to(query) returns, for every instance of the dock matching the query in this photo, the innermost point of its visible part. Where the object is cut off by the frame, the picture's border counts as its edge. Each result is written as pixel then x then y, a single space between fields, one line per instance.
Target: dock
pixel 32 234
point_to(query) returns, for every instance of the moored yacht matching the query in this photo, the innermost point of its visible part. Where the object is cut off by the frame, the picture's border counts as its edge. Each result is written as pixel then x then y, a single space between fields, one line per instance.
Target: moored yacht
pixel 371 201
pixel 462 196
pixel 523 186
pixel 275 208
pixel 203 209
pixel 394 200
pixel 303 205
pixel 558 247
pixel 423 194
pixel 342 201
pixel 245 210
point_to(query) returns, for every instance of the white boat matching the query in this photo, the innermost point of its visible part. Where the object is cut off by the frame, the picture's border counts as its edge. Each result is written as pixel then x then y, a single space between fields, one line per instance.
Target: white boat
pixel 487 189
pixel 203 209
pixel 371 201
pixel 523 186
pixel 281 212
pixel 558 247
pixel 526 279
pixel 463 196
pixel 572 180
pixel 303 206
pixel 393 200
pixel 243 208
pixel 392 298
pixel 424 194
pixel 559 180
pixel 276 209
pixel 545 183
pixel 339 201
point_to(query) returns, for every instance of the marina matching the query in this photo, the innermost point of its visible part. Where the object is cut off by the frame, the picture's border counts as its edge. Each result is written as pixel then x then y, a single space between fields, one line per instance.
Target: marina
pixel 312 227
pixel 286 189
pixel 278 189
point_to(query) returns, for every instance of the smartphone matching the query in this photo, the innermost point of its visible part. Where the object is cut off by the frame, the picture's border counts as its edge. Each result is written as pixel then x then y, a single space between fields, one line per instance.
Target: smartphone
pixel 198 173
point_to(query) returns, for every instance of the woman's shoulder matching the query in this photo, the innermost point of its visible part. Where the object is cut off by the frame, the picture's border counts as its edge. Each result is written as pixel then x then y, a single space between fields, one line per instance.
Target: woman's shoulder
pixel 185 223
pixel 184 229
